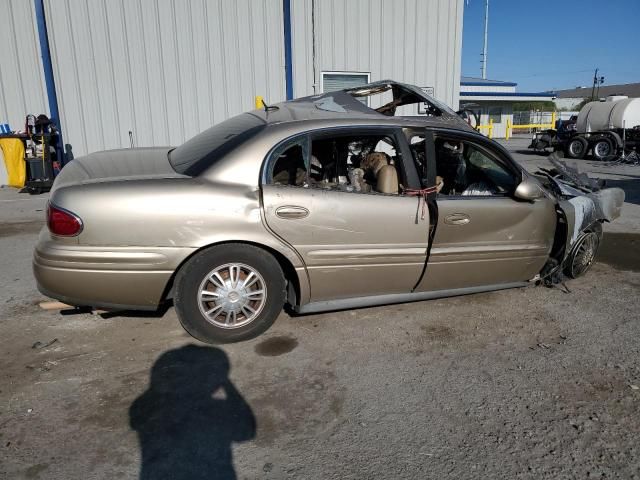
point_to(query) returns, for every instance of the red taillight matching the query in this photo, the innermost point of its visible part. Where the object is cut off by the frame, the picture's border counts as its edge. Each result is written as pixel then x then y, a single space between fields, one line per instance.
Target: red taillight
pixel 63 223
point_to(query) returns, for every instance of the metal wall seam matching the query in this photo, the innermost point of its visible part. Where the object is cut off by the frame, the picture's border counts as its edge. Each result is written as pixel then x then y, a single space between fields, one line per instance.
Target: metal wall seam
pixel 411 41
pixel 47 67
pixel 288 69
pixel 162 69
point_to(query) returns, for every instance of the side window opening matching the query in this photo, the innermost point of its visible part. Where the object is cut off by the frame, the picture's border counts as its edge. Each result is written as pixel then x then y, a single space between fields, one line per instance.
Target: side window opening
pixel 289 168
pixel 366 163
pixel 467 169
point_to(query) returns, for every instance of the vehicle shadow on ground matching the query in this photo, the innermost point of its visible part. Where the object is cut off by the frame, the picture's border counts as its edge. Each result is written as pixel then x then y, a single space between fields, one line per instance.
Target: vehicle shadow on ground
pixel 532 152
pixel 159 313
pixel 631 187
pixel 189 417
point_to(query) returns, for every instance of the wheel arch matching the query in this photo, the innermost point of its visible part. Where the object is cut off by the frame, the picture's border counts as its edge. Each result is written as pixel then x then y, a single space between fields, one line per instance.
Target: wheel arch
pixel 297 280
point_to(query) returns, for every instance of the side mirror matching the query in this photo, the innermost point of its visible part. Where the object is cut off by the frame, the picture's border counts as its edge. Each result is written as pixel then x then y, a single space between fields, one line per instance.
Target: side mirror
pixel 528 190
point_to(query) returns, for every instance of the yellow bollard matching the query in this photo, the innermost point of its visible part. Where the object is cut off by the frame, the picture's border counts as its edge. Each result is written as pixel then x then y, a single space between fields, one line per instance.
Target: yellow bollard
pixel 490 128
pixel 553 119
pixel 259 102
pixel 508 132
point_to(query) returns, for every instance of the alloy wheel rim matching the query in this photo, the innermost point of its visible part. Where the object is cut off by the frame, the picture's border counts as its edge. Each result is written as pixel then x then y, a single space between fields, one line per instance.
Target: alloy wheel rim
pixel 585 253
pixel 232 295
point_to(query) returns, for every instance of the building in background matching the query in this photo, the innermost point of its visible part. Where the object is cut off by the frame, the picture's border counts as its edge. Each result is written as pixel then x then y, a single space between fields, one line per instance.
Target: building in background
pixel 570 99
pixel 166 70
pixel 493 100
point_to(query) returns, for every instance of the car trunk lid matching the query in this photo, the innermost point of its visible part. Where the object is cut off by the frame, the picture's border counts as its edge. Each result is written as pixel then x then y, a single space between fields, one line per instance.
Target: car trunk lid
pixel 117 165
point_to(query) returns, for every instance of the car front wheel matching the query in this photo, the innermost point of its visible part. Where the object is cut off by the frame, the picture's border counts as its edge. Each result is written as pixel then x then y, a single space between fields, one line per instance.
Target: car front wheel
pixel 582 255
pixel 229 293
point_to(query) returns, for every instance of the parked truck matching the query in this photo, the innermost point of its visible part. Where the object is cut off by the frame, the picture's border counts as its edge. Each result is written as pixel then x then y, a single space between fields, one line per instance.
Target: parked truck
pixel 605 129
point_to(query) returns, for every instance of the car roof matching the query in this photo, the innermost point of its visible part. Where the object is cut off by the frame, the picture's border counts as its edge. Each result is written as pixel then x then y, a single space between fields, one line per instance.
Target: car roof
pixel 344 105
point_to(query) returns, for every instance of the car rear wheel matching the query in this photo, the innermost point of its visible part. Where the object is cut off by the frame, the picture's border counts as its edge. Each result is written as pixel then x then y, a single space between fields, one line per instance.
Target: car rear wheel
pixel 577 148
pixel 582 255
pixel 229 293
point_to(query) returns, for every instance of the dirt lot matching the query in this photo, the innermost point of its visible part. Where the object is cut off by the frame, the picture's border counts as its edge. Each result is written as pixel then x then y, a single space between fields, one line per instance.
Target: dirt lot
pixel 529 383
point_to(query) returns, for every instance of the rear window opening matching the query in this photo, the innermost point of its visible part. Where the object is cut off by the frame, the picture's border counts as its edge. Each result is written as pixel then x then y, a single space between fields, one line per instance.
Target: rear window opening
pixel 199 153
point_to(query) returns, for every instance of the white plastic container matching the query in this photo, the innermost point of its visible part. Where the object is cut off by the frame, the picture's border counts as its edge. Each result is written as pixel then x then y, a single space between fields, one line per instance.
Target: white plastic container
pixel 596 116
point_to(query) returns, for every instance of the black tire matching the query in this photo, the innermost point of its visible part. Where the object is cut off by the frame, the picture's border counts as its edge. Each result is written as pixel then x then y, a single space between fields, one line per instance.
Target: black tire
pixel 577 147
pixel 194 277
pixel 602 148
pixel 582 254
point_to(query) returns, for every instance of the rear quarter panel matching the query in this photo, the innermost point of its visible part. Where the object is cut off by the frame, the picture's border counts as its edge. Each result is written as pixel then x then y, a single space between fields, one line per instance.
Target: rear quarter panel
pixel 176 216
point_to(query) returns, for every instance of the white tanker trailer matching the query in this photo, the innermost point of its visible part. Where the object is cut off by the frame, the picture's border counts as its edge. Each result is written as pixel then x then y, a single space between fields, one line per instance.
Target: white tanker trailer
pixel 607 129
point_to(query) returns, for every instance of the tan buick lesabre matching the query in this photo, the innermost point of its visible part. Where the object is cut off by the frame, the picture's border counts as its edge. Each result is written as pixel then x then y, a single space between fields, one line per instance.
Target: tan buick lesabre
pixel 321 203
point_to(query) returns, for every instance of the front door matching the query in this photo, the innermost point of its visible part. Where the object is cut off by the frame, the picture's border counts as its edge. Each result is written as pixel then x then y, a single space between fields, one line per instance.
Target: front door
pixel 335 198
pixel 484 235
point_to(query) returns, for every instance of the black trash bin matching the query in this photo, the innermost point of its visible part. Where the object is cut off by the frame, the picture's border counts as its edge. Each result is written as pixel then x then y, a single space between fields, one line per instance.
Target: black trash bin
pixel 39 169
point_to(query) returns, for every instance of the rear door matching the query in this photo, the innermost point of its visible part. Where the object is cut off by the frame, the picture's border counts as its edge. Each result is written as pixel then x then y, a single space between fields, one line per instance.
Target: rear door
pixel 352 243
pixel 484 236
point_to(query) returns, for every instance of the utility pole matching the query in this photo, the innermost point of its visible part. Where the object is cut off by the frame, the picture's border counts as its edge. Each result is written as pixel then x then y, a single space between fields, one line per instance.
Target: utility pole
pixel 486 36
pixel 595 90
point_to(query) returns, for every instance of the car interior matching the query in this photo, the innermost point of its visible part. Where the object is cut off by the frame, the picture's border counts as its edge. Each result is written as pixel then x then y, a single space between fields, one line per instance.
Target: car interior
pixel 463 168
pixel 350 163
pixel 369 164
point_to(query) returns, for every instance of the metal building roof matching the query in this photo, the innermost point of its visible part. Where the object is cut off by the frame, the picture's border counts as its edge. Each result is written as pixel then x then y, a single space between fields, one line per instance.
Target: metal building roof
pixel 628 89
pixel 483 82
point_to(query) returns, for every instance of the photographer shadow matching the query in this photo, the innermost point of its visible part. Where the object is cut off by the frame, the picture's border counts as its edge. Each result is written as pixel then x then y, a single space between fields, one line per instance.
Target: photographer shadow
pixel 189 417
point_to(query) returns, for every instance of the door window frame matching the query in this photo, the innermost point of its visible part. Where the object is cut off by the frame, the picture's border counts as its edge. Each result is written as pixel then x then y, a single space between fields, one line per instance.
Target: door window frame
pixel 407 173
pixel 271 158
pixel 498 155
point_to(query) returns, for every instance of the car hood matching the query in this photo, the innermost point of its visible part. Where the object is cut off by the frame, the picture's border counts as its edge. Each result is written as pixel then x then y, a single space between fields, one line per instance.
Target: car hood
pixel 117 165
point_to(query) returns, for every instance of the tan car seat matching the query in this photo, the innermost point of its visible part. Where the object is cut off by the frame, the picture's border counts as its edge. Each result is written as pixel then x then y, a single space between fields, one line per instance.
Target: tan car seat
pixel 387 180
pixel 374 162
pixel 385 174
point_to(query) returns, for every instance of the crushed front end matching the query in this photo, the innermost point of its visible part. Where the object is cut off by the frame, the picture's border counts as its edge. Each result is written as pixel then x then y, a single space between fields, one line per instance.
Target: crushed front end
pixel 584 204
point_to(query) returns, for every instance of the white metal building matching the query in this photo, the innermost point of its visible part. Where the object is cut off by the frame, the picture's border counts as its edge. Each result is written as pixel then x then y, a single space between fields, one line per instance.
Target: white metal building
pixel 167 69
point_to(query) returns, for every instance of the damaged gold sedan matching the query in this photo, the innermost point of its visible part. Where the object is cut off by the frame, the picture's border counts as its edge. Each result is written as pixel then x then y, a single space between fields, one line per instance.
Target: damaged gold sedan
pixel 328 202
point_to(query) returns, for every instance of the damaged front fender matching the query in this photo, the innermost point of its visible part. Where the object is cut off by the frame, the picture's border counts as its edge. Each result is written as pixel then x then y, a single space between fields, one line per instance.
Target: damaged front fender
pixel 584 200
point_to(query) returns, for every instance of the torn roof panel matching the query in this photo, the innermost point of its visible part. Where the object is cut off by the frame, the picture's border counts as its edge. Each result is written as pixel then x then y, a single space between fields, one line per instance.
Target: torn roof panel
pixel 344 104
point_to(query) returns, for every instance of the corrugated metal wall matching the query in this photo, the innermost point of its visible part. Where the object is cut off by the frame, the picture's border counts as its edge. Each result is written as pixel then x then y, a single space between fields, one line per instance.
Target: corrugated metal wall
pixel 22 88
pixel 412 41
pixel 164 69
pixel 168 69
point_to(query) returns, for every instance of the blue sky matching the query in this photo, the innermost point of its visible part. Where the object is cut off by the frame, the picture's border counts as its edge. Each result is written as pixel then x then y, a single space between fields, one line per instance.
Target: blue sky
pixel 550 45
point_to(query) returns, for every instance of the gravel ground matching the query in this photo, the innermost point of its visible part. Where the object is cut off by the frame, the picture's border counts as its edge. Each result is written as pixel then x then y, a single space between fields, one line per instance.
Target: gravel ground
pixel 528 383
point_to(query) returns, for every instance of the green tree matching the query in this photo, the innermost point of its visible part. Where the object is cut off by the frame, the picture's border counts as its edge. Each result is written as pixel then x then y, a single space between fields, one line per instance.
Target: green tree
pixel 579 106
pixel 543 106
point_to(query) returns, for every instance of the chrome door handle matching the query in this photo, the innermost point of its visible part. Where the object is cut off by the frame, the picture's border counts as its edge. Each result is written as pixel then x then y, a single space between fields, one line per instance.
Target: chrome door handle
pixel 291 212
pixel 457 219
